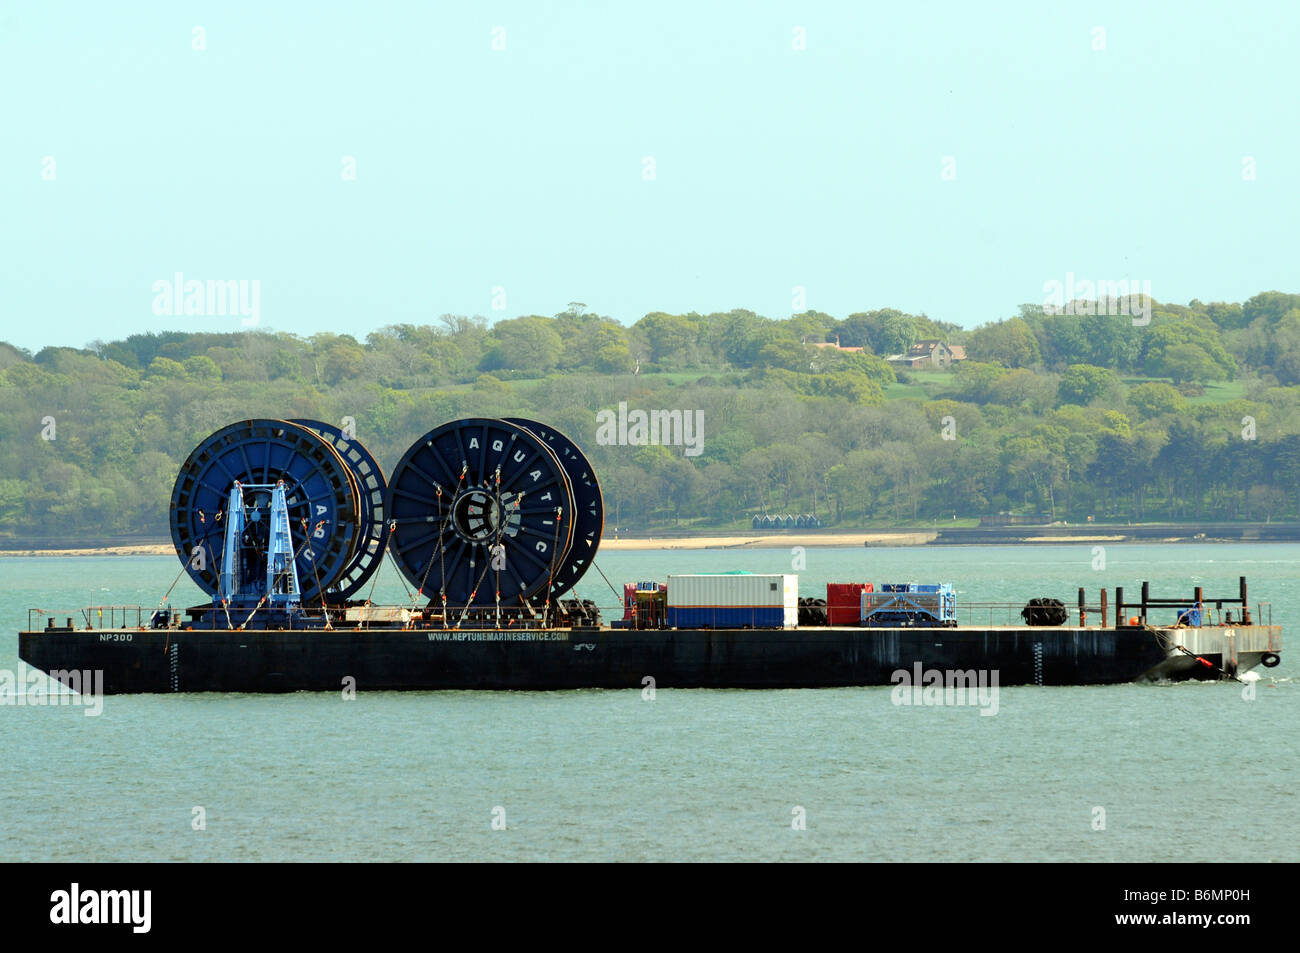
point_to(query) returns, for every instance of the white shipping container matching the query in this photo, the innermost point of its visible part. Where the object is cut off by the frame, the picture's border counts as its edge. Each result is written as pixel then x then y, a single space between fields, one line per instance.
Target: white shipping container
pixel 731 590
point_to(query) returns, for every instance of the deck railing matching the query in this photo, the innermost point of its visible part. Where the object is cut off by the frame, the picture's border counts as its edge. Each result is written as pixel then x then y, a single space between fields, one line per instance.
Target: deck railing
pixel 96 617
pixel 991 614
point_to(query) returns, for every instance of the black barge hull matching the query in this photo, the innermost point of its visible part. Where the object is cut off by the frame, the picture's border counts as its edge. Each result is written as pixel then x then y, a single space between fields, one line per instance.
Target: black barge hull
pixel 199 660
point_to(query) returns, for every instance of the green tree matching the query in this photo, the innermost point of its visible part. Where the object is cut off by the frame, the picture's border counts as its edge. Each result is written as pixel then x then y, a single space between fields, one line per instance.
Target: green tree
pixel 1010 343
pixel 614 359
pixel 1084 383
pixel 1155 398
pixel 1186 334
pixel 164 368
pixel 343 362
pixel 670 337
pixel 1185 363
pixel 973 381
pixel 741 335
pixel 884 332
pixel 1269 306
pixel 530 345
pixel 788 353
pixel 896 333
pixel 201 368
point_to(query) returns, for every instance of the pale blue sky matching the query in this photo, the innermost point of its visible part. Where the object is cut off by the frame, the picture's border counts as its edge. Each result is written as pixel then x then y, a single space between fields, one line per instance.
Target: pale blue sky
pixel 522 168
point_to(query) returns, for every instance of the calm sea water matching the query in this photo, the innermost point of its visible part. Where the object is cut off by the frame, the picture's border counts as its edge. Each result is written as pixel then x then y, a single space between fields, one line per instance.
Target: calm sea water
pixel 1182 772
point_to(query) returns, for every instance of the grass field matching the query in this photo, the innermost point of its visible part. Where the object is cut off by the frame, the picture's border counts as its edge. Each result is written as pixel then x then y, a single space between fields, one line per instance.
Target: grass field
pixel 922 385
pixel 929 385
pixel 1220 393
pixel 926 385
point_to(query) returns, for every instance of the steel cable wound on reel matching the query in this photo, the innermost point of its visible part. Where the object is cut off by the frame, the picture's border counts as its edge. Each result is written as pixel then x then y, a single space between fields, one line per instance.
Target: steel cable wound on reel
pixel 323 497
pixel 479 488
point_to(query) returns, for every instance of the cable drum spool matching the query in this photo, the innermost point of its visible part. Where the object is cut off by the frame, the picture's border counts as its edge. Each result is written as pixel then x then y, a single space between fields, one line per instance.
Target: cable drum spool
pixel 589 504
pixel 464 489
pixel 321 491
pixel 372 489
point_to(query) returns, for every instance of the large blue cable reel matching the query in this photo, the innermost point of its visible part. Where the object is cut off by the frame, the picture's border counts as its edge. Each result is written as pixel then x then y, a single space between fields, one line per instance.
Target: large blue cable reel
pixel 321 491
pixel 482 514
pixel 372 489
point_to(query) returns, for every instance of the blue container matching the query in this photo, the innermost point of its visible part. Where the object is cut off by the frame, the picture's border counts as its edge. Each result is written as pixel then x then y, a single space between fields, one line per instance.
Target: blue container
pixel 726 617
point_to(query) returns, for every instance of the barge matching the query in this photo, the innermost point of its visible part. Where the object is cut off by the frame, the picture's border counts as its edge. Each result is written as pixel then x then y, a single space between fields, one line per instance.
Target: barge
pixel 492 522
pixel 375 658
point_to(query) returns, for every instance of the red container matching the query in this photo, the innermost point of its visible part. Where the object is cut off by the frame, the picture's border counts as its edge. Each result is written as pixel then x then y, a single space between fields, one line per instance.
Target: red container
pixel 844 602
pixel 629 600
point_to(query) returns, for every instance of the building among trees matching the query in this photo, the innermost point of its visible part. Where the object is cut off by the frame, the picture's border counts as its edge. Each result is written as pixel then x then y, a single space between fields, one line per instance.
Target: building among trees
pixel 929 353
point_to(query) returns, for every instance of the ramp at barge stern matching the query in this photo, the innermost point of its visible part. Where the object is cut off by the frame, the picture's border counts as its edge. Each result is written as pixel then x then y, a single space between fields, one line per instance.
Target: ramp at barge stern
pixel 394 658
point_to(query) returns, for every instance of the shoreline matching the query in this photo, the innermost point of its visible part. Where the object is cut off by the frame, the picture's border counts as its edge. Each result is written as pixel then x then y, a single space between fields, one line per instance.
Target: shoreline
pixel 771 540
pixel 778 541
pixel 134 549
pixel 610 544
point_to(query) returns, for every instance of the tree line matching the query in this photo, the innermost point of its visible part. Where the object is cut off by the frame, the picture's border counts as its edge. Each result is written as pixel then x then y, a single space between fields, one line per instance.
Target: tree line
pixel 1192 416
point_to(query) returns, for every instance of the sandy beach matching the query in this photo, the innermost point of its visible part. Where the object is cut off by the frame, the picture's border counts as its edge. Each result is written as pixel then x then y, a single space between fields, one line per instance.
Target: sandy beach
pixel 771 541
pixel 920 537
pixel 143 549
